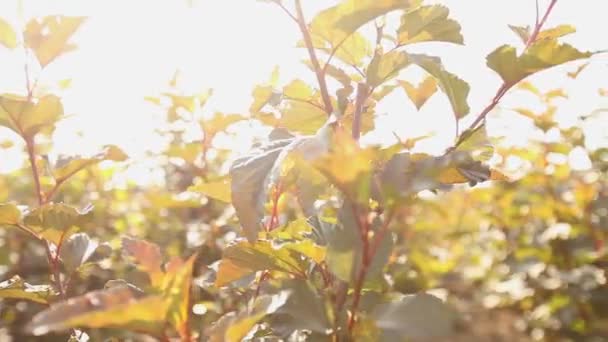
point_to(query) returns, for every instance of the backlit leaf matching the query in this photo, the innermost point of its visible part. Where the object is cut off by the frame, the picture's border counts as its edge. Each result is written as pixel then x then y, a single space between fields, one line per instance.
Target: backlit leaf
pixel 29 118
pixel 386 66
pixel 455 88
pixel 355 13
pixel 9 214
pixel 17 288
pixel 49 36
pixel 234 326
pixel 262 255
pixel 8 38
pixel 219 122
pixel 219 190
pixel 66 168
pixel 540 56
pixel 57 221
pixel 428 23
pixel 112 308
pixel 419 95
pixel 176 288
pixel 146 255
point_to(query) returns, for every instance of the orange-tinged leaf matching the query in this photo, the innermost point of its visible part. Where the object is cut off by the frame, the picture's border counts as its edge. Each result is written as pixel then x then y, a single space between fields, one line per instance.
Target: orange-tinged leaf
pixel 228 271
pixel 147 257
pixel 176 288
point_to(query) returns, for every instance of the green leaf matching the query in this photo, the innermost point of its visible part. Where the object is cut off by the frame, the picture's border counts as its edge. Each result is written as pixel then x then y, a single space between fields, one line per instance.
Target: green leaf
pixel 419 95
pixel 17 288
pixel 49 36
pixel 540 56
pixel 176 288
pixel 9 214
pixel 428 23
pixel 353 14
pixel 76 250
pixel 455 89
pixel 57 221
pixel 66 168
pixel 117 307
pixel 8 38
pixel 386 66
pixel 415 317
pixel 146 256
pixel 219 190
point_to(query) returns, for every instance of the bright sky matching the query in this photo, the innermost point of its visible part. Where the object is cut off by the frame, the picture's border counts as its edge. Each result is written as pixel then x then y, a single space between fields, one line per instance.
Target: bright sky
pixel 129 49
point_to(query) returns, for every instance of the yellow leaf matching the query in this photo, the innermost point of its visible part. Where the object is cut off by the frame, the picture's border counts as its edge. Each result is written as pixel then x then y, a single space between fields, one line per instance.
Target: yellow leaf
pixel 386 66
pixel 8 38
pixel 116 307
pixel 49 36
pixel 541 55
pixel 429 23
pixel 9 214
pixel 219 190
pixel 419 95
pixel 228 272
pixel 176 288
pixel 19 289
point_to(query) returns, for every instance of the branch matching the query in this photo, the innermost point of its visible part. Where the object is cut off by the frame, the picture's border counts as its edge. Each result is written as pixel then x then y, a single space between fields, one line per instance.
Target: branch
pixel 505 86
pixel 362 93
pixel 313 59
pixel 293 17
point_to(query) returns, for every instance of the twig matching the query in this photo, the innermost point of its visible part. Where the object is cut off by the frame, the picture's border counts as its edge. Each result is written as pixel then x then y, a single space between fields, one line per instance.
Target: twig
pixel 505 86
pixel 362 94
pixel 313 58
pixel 363 226
pixel 287 11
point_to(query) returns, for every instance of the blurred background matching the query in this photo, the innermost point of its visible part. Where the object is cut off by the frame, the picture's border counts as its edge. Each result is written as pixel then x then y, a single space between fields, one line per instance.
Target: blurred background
pixel 523 260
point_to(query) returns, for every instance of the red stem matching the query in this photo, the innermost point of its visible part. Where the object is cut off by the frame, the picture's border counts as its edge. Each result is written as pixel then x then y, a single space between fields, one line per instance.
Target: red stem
pixel 505 86
pixel 313 58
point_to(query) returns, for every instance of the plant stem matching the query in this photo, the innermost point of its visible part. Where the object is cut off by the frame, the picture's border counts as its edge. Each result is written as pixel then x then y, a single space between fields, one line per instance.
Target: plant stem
pixel 362 94
pixel 363 226
pixel 313 58
pixel 505 86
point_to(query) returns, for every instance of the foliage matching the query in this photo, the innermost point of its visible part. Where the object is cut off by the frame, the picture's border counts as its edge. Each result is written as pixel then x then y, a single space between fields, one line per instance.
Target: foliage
pixel 312 235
